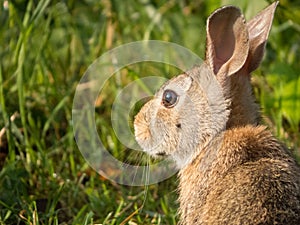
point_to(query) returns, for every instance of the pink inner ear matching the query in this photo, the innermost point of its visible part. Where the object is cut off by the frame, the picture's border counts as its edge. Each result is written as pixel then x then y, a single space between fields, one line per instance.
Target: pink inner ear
pixel 227 40
pixel 224 43
pixel 218 64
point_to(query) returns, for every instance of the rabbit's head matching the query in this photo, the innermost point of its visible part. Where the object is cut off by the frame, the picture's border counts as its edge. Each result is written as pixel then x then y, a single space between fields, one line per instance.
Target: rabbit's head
pixel 187 111
pixel 191 109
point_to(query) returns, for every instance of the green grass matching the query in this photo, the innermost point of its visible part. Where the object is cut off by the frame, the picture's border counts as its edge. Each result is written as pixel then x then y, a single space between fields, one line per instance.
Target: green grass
pixel 46 46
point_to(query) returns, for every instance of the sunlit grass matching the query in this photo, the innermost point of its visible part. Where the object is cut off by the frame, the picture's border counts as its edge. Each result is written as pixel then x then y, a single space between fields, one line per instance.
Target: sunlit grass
pixel 46 46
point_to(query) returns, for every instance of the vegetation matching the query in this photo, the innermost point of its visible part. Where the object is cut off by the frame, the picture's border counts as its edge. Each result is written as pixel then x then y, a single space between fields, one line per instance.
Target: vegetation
pixel 46 46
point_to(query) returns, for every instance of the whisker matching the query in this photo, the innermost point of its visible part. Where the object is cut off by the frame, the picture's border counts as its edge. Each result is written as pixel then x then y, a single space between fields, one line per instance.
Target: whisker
pixel 147 178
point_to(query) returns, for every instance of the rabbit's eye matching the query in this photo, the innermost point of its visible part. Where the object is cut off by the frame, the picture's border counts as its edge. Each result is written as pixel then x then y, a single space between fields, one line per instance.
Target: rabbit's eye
pixel 169 98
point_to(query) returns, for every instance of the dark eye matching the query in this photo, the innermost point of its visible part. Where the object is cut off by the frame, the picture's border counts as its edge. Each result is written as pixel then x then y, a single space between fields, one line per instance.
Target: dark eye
pixel 169 98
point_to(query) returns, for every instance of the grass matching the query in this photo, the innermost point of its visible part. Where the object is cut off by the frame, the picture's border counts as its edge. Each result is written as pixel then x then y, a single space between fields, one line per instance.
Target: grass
pixel 46 46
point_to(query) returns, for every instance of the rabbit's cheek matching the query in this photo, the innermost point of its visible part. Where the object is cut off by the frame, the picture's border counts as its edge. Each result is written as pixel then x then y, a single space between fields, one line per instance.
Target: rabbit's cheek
pixel 168 116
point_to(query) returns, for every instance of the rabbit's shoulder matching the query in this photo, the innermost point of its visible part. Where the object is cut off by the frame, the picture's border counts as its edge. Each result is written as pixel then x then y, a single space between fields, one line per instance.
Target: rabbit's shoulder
pixel 251 143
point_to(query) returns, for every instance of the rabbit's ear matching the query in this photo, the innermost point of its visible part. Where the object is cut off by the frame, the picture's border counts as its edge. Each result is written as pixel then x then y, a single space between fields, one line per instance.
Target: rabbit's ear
pixel 259 28
pixel 227 41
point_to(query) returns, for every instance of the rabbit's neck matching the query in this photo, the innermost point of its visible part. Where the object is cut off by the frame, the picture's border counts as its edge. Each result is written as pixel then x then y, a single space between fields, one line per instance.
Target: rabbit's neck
pixel 203 150
pixel 243 109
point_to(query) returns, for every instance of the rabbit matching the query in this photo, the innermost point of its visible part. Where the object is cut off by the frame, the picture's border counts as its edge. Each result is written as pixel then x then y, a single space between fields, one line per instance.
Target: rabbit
pixel 232 170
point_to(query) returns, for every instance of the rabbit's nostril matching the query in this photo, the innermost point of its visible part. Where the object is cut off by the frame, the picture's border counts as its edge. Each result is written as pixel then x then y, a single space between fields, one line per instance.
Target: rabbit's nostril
pixel 178 125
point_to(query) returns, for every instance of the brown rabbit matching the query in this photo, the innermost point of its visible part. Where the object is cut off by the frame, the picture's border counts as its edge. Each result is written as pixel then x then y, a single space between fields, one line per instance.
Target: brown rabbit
pixel 232 170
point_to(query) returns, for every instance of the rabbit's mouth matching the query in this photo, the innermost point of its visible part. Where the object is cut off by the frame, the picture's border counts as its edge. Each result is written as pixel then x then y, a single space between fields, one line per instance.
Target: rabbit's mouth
pixel 156 152
pixel 161 154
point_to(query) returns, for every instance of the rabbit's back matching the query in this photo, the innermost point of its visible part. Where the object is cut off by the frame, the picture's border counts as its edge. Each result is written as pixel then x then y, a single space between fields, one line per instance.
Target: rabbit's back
pixel 253 180
pixel 261 192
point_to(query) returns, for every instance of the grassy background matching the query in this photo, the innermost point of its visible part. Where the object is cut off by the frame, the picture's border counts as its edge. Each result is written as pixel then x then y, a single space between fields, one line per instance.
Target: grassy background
pixel 45 48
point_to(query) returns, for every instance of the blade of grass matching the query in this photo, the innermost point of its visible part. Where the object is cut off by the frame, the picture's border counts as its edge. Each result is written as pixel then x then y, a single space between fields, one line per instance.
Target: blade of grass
pixel 88 218
pixel 131 215
pixel 57 108
pixel 51 209
pixel 6 120
pixel 21 98
pixel 40 9
pixel 77 219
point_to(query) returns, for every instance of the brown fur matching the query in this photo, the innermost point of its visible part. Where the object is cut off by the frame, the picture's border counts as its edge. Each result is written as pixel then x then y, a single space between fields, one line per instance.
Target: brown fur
pixel 232 170
pixel 253 180
pixel 244 109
